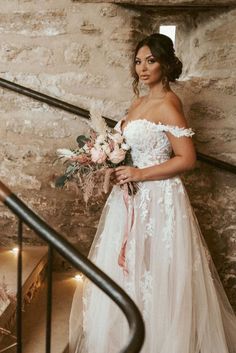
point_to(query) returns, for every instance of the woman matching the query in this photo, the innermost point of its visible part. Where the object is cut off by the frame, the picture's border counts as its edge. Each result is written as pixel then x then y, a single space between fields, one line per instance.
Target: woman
pixel 151 243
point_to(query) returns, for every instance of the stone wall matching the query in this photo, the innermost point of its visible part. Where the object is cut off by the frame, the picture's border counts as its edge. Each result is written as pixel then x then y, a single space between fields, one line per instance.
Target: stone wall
pixel 168 3
pixel 79 52
pixel 48 47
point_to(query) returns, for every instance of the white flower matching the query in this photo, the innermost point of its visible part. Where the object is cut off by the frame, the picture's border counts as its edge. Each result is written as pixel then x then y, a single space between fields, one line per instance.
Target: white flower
pixel 97 146
pixel 117 155
pixel 65 153
pixel 106 148
pixel 125 147
pixel 100 139
pixel 117 137
pixel 86 148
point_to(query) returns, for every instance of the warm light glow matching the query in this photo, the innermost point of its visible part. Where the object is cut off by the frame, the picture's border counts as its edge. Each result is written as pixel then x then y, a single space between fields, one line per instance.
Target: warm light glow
pixel 15 250
pixel 79 277
pixel 168 31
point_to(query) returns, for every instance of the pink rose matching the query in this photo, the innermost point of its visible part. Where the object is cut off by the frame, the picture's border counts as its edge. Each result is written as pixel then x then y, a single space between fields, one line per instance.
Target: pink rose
pixel 89 144
pixel 112 145
pixel 117 155
pixel 98 156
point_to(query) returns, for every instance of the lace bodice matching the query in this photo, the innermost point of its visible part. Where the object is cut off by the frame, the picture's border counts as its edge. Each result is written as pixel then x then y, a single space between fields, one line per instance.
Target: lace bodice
pixel 148 140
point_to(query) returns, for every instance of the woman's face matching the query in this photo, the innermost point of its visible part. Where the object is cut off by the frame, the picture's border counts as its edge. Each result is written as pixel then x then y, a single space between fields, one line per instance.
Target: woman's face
pixel 146 66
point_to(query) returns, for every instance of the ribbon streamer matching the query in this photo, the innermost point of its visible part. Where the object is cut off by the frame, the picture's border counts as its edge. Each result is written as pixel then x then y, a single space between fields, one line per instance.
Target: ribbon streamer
pixel 128 227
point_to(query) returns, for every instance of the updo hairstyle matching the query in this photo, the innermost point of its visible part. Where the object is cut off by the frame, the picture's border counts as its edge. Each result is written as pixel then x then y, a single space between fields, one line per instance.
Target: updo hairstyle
pixel 162 48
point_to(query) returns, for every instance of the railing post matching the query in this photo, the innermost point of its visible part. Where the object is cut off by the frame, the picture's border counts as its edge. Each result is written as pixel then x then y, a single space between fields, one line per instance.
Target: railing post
pixel 49 300
pixel 19 289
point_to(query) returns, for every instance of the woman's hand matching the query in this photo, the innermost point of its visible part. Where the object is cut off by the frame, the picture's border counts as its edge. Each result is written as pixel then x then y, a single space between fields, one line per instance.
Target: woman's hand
pixel 124 174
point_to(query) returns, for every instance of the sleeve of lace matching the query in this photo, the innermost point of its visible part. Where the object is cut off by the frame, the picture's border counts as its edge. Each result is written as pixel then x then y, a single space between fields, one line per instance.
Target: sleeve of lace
pixel 179 131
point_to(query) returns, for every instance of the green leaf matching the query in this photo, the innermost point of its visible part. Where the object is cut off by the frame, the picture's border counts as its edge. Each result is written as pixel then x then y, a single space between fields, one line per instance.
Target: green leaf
pixel 81 140
pixel 60 181
pixel 71 169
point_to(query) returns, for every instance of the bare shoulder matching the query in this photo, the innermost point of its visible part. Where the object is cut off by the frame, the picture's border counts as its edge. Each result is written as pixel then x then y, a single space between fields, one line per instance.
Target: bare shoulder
pixel 171 111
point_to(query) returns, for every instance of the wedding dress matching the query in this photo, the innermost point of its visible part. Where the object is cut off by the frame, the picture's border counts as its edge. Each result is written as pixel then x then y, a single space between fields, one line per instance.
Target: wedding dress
pixel 164 265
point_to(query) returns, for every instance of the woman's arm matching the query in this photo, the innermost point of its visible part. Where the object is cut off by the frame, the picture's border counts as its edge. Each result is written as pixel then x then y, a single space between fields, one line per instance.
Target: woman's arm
pixel 184 152
pixel 176 165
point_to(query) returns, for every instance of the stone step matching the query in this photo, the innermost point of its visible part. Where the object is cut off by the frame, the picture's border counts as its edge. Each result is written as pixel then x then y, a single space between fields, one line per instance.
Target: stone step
pixel 34 260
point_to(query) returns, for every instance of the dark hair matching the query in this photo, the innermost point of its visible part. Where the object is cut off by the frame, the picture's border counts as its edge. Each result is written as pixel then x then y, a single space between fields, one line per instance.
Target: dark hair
pixel 162 48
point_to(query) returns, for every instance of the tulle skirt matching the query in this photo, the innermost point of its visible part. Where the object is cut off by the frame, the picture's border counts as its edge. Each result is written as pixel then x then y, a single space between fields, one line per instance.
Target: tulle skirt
pixel 167 270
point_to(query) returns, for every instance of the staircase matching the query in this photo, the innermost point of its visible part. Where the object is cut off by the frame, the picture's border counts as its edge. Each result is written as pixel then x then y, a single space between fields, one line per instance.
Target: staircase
pixel 59 289
pixel 34 291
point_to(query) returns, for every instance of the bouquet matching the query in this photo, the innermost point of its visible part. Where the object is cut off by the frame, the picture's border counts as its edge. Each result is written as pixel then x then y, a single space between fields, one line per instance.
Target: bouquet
pixel 90 165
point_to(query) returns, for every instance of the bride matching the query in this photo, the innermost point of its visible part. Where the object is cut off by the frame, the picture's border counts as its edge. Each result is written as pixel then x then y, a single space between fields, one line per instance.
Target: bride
pixel 151 243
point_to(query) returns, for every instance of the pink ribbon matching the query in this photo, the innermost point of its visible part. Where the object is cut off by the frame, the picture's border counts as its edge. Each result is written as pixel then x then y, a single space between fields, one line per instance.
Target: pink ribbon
pixel 128 226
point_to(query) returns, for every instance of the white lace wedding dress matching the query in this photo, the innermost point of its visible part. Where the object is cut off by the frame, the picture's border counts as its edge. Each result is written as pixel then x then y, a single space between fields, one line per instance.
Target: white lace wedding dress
pixel 167 269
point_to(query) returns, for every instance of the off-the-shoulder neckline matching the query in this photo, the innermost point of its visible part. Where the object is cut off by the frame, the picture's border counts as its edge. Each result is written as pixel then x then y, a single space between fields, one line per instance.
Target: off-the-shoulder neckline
pixel 159 123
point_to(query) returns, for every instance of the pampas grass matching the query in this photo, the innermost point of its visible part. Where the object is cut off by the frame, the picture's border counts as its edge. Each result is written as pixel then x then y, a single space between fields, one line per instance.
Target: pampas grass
pixel 97 122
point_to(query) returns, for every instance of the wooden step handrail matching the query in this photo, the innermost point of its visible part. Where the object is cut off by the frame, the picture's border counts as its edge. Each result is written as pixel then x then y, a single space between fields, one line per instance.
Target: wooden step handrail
pixel 81 263
pixel 70 108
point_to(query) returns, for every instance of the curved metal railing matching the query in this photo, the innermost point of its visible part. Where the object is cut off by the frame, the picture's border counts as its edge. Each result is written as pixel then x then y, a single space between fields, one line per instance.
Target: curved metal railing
pixel 57 242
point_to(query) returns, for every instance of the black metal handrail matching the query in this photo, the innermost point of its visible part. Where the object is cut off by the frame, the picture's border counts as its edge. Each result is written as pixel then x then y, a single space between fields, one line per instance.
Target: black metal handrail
pixel 54 102
pixel 85 113
pixel 80 262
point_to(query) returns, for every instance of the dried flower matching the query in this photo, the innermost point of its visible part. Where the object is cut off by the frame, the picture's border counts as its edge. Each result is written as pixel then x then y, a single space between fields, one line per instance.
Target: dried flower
pixel 90 165
pixel 97 122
